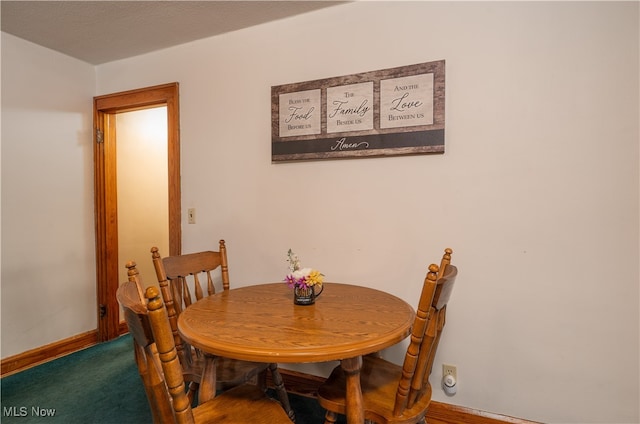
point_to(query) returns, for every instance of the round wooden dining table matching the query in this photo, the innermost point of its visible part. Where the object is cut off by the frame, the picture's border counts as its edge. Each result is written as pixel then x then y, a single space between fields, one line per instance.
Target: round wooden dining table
pixel 261 323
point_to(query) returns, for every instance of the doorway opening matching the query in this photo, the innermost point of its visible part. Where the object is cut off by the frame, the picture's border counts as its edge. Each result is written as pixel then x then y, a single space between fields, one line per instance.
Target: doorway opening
pixel 113 192
pixel 143 209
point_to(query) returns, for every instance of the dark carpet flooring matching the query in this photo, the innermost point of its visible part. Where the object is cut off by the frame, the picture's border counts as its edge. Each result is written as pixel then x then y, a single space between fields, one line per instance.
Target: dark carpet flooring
pixel 99 385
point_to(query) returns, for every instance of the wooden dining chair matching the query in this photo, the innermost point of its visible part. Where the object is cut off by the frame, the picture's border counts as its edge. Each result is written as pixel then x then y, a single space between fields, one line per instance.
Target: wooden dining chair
pixel 392 393
pixel 181 279
pixel 162 374
pixel 444 262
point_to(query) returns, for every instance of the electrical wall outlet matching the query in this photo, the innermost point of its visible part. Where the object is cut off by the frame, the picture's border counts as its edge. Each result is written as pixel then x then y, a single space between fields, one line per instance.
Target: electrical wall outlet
pixel 191 215
pixel 449 370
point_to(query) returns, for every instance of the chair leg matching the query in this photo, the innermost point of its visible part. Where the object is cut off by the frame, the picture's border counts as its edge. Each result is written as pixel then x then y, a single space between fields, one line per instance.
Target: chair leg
pixel 330 417
pixel 281 391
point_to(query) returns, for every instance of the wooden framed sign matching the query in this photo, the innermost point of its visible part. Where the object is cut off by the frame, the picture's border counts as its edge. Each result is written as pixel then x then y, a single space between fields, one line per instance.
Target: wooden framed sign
pixel 397 111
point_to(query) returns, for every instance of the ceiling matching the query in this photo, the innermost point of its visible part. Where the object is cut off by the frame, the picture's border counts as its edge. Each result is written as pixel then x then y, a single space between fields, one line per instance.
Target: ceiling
pixel 103 31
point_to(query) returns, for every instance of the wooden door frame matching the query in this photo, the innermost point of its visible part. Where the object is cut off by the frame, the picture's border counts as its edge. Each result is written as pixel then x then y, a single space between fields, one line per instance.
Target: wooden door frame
pixel 106 207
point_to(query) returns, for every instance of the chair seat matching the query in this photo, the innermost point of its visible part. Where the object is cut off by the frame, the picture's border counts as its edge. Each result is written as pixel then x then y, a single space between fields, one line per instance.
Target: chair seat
pixel 379 381
pixel 241 404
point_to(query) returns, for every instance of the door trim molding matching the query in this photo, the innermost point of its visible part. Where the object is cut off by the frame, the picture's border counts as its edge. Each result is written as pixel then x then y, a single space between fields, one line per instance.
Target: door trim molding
pixel 105 108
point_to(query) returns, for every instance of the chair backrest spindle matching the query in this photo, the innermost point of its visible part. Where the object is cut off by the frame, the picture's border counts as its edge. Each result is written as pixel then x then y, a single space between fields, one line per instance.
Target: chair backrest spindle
pixel 171 305
pixel 425 334
pixel 417 333
pixel 446 260
pixel 168 357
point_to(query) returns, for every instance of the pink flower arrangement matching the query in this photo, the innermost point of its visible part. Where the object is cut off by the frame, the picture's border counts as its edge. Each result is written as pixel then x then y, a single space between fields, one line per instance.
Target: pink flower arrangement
pixel 301 277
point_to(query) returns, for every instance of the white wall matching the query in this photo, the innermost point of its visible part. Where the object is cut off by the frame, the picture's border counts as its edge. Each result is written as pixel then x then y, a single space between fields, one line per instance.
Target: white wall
pixel 537 193
pixel 48 247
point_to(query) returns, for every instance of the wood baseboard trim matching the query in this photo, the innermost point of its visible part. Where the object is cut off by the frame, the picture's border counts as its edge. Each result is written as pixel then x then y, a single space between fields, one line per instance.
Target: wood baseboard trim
pixel 37 356
pixel 445 413
pixel 439 413
pixel 40 355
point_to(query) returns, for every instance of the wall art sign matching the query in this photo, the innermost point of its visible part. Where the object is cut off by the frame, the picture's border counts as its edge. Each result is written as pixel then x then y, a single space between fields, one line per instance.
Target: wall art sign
pixel 397 111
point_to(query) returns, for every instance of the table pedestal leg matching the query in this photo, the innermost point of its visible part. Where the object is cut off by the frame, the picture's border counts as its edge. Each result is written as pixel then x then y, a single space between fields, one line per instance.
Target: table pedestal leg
pixel 207 389
pixel 355 409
